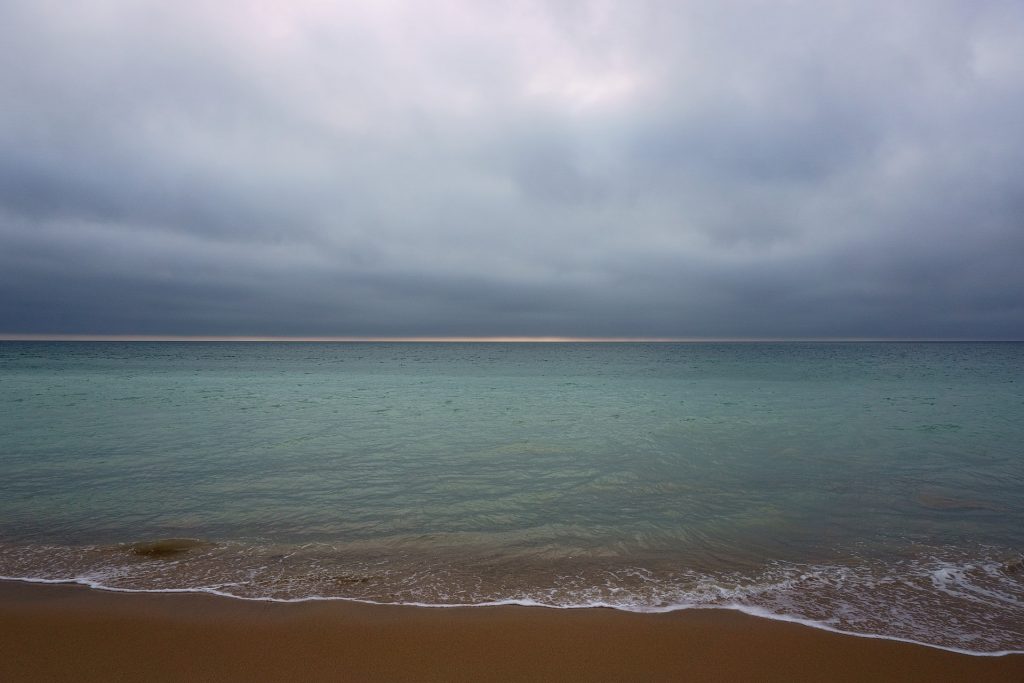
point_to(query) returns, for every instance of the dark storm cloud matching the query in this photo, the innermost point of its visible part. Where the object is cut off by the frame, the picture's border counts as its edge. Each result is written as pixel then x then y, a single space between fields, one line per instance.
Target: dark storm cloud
pixel 581 169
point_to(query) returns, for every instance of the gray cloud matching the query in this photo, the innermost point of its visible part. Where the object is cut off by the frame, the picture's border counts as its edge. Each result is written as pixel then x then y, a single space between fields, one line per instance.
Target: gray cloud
pixel 581 169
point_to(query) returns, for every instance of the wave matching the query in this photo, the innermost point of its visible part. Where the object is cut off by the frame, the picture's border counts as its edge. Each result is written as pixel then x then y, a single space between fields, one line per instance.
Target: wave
pixel 946 599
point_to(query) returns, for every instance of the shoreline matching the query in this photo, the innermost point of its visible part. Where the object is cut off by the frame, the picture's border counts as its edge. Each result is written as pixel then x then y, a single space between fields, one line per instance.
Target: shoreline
pixel 67 631
pixel 757 614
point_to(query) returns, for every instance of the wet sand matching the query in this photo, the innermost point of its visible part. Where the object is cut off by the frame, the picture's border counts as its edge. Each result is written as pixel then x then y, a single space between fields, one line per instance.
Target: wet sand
pixel 75 633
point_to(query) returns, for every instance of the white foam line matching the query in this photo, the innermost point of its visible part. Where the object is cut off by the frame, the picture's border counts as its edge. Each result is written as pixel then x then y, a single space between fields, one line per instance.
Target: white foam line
pixel 521 602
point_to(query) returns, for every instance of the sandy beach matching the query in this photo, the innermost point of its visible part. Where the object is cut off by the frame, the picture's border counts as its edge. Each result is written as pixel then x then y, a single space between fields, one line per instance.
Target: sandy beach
pixel 74 633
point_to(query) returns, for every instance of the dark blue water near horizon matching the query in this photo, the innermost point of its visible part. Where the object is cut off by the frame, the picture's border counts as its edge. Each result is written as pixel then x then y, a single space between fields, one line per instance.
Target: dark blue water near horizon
pixel 874 488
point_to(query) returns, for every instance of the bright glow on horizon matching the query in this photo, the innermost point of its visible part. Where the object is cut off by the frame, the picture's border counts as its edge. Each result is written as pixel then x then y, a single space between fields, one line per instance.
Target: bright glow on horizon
pixel 457 340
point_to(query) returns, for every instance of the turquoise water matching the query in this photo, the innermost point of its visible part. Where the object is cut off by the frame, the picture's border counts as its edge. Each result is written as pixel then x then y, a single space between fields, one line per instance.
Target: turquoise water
pixel 873 488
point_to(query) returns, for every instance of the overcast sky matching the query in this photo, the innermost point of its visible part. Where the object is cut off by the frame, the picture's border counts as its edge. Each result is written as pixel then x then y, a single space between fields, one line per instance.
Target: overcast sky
pixel 627 169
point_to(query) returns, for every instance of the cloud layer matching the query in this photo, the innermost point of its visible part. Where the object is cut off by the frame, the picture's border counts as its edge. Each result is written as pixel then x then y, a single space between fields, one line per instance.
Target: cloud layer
pixel 490 168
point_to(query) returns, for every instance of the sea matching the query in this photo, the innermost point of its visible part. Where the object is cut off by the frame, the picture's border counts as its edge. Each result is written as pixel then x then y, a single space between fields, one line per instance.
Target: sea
pixel 871 488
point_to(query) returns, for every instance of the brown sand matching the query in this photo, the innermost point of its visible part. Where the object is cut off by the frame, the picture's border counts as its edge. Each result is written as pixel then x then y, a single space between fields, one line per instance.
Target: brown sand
pixel 74 633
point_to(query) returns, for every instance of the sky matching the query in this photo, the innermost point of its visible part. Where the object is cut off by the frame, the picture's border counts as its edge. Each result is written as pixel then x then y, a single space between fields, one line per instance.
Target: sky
pixel 637 169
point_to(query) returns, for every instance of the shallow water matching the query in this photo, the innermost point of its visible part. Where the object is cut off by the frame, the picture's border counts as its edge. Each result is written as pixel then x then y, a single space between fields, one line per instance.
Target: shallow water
pixel 874 488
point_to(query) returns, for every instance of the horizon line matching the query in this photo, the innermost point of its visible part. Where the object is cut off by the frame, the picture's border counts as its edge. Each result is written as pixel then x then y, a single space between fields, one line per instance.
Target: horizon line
pixel 16 336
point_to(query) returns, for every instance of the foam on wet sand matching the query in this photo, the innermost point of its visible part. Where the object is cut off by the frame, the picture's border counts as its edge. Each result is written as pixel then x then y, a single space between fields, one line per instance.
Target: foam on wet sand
pixel 75 633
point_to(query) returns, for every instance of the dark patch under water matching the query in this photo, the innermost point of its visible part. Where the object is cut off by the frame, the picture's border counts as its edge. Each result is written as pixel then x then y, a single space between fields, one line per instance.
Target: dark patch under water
pixel 166 547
